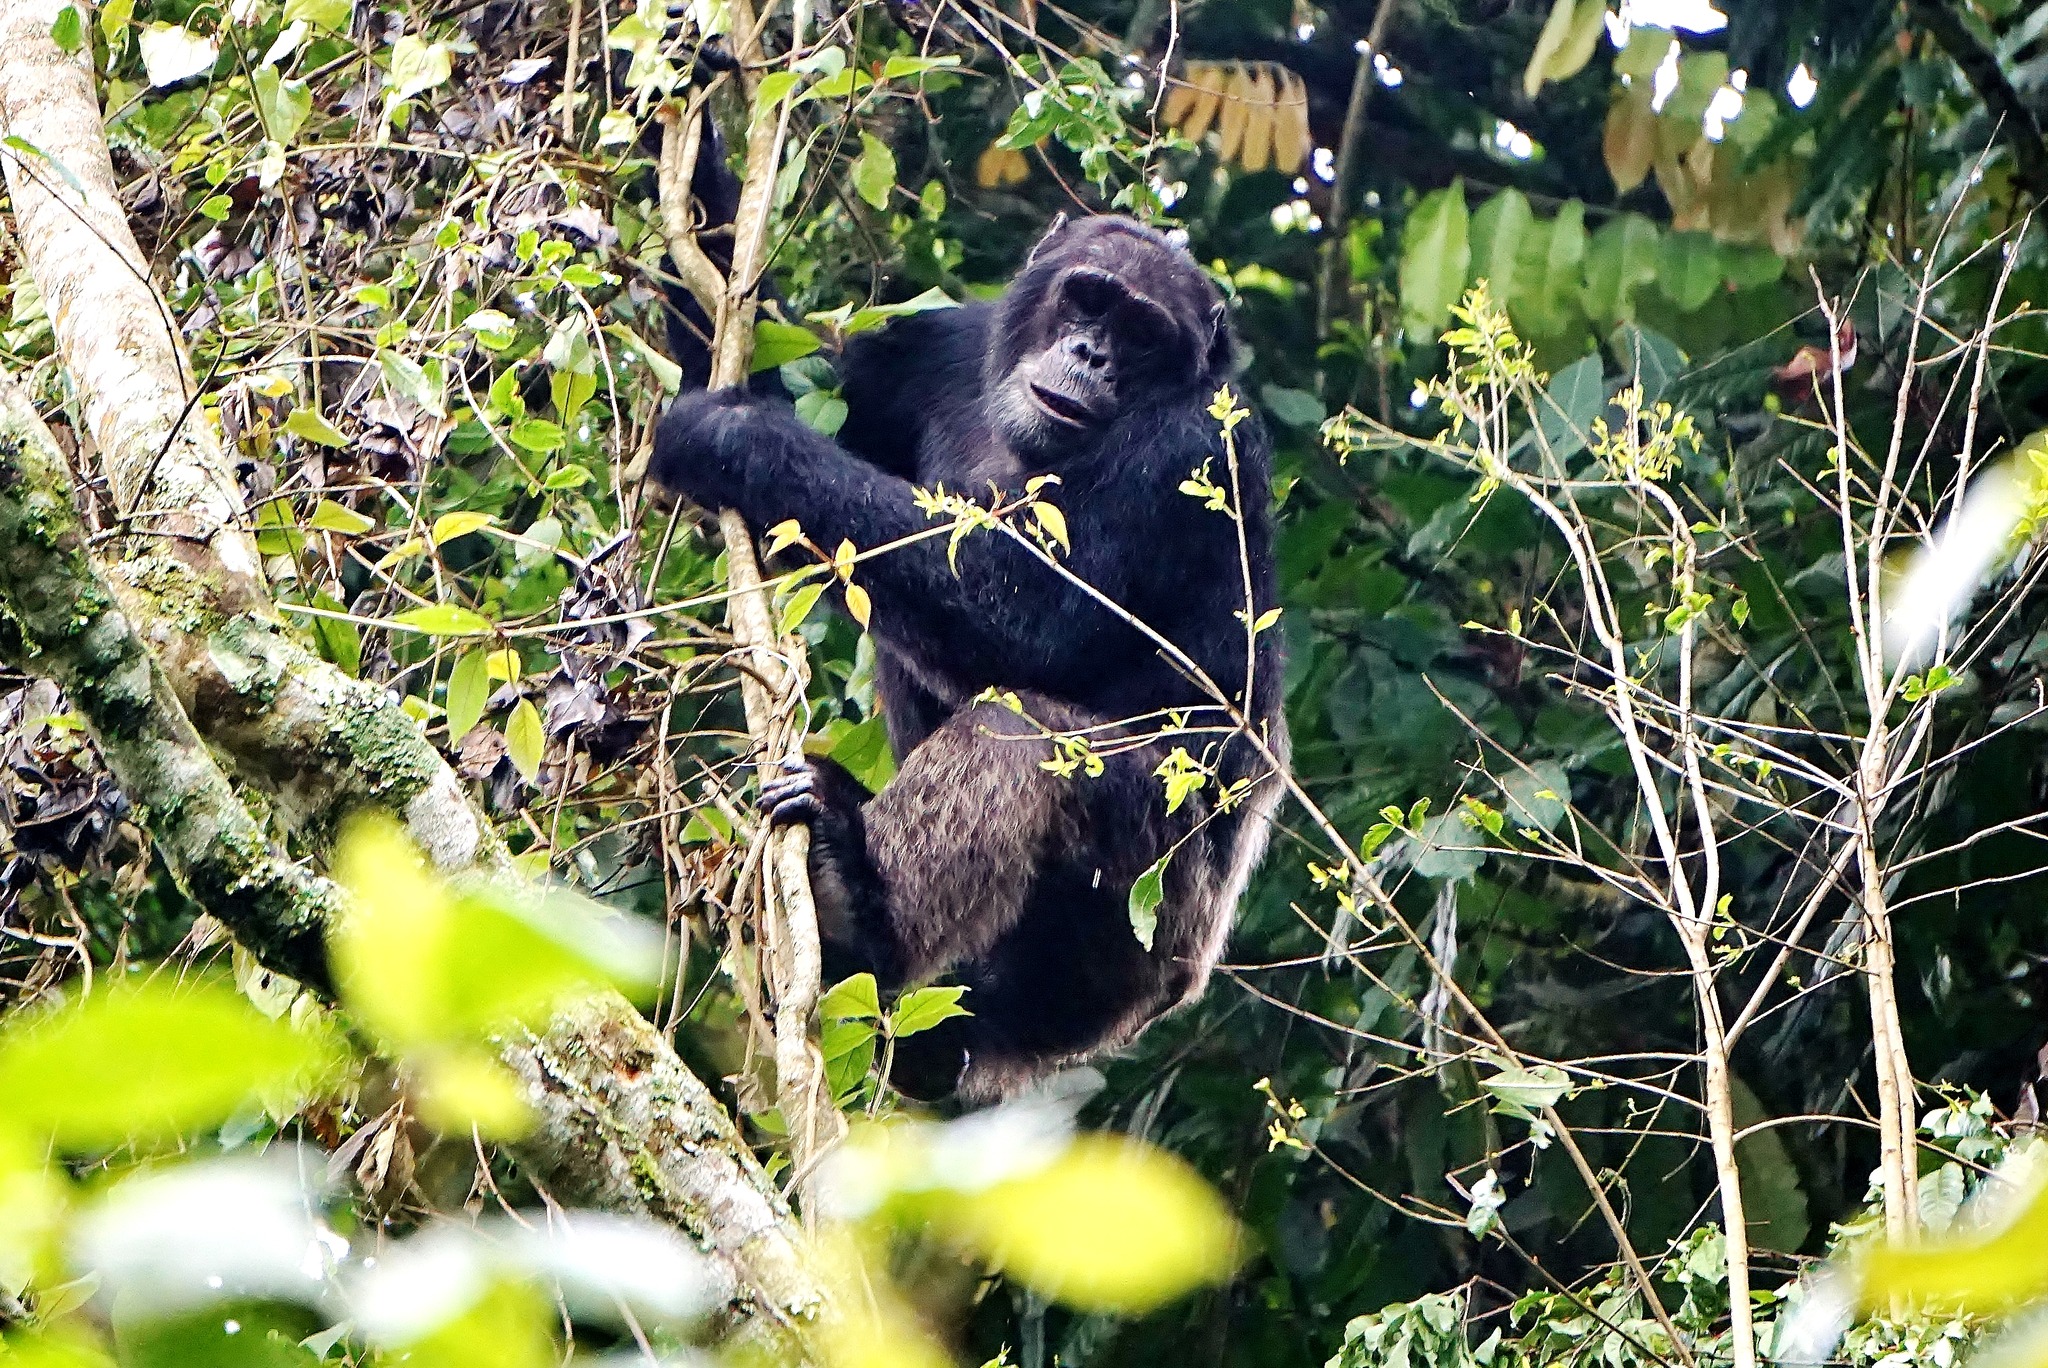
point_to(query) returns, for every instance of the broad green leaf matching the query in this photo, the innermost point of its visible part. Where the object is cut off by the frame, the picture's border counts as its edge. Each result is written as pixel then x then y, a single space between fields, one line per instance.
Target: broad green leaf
pixel 443 619
pixel 850 321
pixel 1296 408
pixel 923 1008
pixel 849 1050
pixel 774 88
pixel 1689 269
pixel 863 748
pixel 823 411
pixel 1497 231
pixel 1747 267
pixel 171 54
pixel 1566 408
pixel 537 434
pixel 329 516
pixel 852 998
pixel 1436 251
pixel 1987 1275
pixel 1548 277
pixel 67 31
pixel 449 526
pixel 874 171
pixel 1529 1089
pixel 332 15
pixel 1111 1225
pixel 307 423
pixel 1773 1196
pixel 277 532
pixel 1556 32
pixel 1620 259
pixel 284 104
pixel 1651 358
pixel 525 738
pixel 776 343
pixel 115 17
pixel 426 966
pixel 903 64
pixel 568 477
pixel 798 607
pixel 667 373
pixel 339 641
pixel 1536 795
pixel 152 1061
pixel 1147 892
pixel 469 687
pixel 412 381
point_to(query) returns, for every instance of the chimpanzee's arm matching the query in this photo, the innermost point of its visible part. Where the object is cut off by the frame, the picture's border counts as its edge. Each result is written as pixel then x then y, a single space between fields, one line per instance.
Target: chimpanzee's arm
pixel 1004 615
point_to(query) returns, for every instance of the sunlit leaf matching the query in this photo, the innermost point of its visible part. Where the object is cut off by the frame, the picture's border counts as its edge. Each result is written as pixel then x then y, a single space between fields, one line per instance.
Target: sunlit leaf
pixel 923 1008
pixel 874 171
pixel 776 343
pixel 460 1089
pixel 1110 1225
pixel 525 738
pixel 151 1061
pixel 418 66
pixel 329 516
pixel 801 601
pixel 443 619
pixel 858 605
pixel 449 526
pixel 171 54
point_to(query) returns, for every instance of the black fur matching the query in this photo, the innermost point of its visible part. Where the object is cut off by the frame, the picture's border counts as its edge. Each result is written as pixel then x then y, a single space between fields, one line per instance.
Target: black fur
pixel 976 862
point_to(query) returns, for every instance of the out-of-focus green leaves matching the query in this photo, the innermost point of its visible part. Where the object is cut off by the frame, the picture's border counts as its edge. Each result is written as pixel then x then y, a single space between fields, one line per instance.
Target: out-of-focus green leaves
pixel 153 1061
pixel 1992 1272
pixel 1436 250
pixel 423 962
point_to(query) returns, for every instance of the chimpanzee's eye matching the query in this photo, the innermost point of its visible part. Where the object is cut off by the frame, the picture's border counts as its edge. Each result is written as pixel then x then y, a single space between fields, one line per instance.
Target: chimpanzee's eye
pixel 1088 294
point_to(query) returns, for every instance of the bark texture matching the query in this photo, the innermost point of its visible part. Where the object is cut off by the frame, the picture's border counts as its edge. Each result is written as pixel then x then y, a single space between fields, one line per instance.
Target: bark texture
pixel 180 640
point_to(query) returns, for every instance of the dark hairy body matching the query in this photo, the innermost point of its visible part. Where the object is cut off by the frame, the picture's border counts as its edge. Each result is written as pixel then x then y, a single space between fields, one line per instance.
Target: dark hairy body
pixel 976 862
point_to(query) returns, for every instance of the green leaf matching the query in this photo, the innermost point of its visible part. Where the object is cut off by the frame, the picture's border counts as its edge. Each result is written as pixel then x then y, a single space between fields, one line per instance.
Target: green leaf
pixel 923 1008
pixel 115 16
pixel 525 738
pixel 339 640
pixel 426 964
pixel 874 171
pixel 774 88
pixel 1620 259
pixel 284 105
pixel 1147 893
pixel 469 686
pixel 776 343
pixel 863 748
pixel 1111 1225
pixel 449 526
pixel 413 382
pixel 1547 278
pixel 875 315
pixel 1436 251
pixel 68 30
pixel 667 373
pixel 152 1061
pixel 823 411
pixel 443 619
pixel 903 64
pixel 537 434
pixel 329 516
pixel 568 477
pixel 1296 408
pixel 855 997
pixel 1530 1089
pixel 1536 795
pixel 1565 410
pixel 798 607
pixel 307 424
pixel 1689 269
pixel 332 15
pixel 1497 232
pixel 1651 358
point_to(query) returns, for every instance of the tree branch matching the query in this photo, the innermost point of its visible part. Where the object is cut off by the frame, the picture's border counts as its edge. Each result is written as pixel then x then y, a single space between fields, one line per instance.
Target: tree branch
pixel 2015 121
pixel 290 723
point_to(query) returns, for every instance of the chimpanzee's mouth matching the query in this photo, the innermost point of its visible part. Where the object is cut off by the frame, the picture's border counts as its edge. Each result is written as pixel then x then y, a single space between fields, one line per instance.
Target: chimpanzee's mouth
pixel 1062 407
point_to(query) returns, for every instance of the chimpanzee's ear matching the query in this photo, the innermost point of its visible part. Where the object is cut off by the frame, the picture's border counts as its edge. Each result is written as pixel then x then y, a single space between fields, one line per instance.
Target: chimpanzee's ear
pixel 1053 230
pixel 1222 351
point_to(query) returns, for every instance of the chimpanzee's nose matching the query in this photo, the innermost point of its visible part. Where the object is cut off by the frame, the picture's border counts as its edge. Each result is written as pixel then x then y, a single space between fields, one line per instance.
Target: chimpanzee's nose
pixel 1088 350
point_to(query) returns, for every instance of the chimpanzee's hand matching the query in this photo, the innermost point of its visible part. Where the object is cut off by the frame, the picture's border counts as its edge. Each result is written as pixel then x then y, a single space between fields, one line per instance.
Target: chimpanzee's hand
pixel 709 440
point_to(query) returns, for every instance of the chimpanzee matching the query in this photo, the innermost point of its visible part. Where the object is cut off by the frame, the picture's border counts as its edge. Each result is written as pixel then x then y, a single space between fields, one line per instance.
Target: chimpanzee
pixel 1003 855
